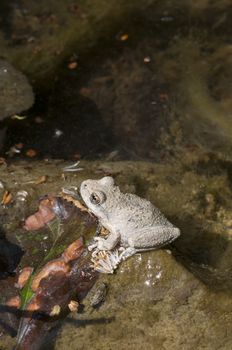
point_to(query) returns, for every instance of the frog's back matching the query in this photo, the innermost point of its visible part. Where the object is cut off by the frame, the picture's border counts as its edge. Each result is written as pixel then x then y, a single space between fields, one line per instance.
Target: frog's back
pixel 141 212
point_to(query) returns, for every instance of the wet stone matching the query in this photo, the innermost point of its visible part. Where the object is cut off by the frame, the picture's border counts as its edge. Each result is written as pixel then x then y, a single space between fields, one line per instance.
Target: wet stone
pixel 176 298
pixel 16 94
pixel 153 303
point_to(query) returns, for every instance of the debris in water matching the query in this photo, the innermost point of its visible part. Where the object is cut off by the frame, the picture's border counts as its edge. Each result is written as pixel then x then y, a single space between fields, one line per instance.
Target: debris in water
pixel 18 117
pixel 72 65
pixel 31 153
pixel 73 167
pixel 55 310
pixel 73 305
pixel 21 196
pixel 23 277
pixel 44 215
pixel 7 198
pixel 124 37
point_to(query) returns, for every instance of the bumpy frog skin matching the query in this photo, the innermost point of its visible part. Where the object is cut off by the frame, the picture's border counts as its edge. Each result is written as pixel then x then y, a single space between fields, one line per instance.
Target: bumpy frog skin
pixel 133 221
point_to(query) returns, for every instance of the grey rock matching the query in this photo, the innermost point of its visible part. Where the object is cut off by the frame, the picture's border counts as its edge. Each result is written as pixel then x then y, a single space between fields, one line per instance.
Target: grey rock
pixel 16 94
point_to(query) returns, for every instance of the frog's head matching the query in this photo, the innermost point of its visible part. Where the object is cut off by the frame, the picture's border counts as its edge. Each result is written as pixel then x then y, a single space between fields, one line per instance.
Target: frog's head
pixel 97 195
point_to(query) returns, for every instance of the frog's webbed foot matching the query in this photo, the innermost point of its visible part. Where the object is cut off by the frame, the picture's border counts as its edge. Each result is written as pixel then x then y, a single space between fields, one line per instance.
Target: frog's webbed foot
pixel 100 244
pixel 92 246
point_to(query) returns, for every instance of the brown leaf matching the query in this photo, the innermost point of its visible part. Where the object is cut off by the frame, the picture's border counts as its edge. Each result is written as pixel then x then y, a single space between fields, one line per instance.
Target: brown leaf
pixel 34 304
pixel 72 65
pixel 44 215
pixel 73 251
pixel 14 301
pixel 31 153
pixel 23 277
pixel 41 180
pixel 124 37
pixel 51 267
pixel 7 197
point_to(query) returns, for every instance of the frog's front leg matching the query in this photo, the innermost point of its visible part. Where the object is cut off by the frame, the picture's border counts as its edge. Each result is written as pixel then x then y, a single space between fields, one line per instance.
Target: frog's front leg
pixel 109 243
pixel 152 237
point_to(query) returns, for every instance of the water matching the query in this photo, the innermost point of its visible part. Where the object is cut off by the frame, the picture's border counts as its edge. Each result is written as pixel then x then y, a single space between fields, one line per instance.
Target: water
pixel 148 83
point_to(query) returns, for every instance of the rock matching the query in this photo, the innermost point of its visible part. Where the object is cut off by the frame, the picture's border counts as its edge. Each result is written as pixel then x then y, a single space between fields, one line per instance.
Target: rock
pixel 16 94
pixel 156 300
pixel 153 303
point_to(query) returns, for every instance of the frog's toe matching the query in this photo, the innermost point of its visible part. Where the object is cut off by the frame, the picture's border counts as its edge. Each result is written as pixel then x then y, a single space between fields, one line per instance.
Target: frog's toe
pixel 95 252
pixel 92 246
pixel 99 239
pixel 128 252
pixel 121 249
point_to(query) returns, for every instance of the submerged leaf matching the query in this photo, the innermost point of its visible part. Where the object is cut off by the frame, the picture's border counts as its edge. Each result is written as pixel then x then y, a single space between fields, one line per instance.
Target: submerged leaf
pixel 56 284
pixel 23 277
pixel 26 293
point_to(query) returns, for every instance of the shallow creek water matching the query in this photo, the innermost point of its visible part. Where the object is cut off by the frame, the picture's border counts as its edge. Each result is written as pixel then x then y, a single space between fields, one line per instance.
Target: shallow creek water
pixel 142 91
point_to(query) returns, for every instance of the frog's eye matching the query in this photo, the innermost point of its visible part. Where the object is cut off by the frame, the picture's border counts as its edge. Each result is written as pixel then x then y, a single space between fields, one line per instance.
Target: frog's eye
pixel 97 198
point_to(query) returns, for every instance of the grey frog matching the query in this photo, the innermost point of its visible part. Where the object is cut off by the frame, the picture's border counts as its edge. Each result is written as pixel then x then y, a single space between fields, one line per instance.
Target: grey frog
pixel 133 221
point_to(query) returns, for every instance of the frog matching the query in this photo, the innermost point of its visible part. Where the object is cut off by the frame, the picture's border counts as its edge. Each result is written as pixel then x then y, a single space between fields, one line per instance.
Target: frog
pixel 133 222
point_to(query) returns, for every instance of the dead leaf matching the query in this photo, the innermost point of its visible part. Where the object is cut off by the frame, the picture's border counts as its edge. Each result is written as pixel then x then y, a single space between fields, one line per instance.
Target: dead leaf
pixel 124 37
pixel 55 310
pixel 52 267
pixel 72 65
pixel 41 217
pixel 23 277
pixel 41 179
pixel 73 305
pixel 14 302
pixel 31 153
pixel 73 251
pixel 7 198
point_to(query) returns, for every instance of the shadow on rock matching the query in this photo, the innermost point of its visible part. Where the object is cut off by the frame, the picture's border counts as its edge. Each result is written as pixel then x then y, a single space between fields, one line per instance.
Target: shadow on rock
pixel 5 14
pixel 10 256
pixel 205 254
pixel 51 341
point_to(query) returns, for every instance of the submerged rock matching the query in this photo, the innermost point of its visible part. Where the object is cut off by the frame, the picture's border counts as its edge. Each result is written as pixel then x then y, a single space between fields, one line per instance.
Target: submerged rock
pixel 16 94
pixel 153 303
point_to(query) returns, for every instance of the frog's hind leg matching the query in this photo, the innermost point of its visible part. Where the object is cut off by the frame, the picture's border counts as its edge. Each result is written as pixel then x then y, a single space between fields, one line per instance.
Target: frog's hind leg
pixel 127 253
pixel 153 237
pixel 149 238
